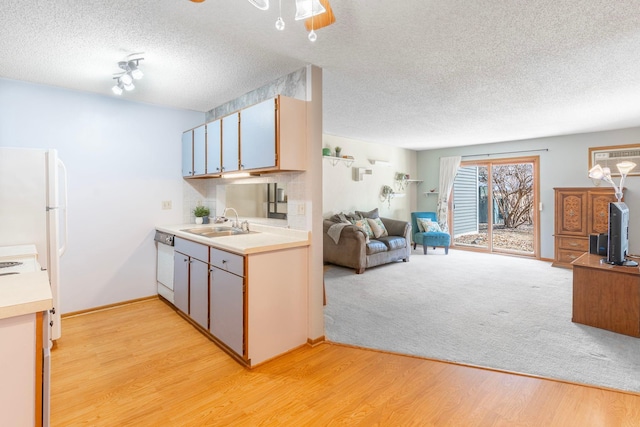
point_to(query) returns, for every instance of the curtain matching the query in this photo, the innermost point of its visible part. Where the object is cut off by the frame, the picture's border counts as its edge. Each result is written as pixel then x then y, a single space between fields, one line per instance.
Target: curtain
pixel 448 170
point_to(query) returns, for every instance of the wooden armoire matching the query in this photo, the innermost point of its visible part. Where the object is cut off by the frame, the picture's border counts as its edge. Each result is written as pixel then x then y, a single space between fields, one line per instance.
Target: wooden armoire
pixel 579 212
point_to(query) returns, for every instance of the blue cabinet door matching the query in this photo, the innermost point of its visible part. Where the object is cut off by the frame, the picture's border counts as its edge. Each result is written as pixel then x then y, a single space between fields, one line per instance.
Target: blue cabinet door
pixel 230 143
pixel 214 146
pixel 199 150
pixel 258 136
pixel 227 308
pixel 187 153
pixel 181 282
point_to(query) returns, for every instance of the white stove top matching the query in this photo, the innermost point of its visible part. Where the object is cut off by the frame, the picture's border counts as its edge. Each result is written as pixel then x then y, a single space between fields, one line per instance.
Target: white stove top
pixel 25 257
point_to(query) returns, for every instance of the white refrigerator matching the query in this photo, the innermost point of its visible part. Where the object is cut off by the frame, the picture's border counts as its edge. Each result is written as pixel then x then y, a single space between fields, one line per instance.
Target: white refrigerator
pixel 33 198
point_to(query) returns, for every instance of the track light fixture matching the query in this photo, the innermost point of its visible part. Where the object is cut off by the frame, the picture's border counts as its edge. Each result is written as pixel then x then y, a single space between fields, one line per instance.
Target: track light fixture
pixel 130 71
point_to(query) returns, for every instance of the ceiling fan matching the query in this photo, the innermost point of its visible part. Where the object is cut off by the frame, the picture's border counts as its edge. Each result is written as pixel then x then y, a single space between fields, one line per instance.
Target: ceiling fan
pixel 317 13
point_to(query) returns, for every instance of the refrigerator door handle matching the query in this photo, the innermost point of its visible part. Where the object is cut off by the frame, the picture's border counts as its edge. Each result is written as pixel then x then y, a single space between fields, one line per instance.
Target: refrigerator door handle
pixel 63 168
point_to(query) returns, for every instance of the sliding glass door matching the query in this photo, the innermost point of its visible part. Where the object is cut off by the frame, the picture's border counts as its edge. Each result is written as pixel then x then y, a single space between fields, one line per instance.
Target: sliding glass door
pixel 494 206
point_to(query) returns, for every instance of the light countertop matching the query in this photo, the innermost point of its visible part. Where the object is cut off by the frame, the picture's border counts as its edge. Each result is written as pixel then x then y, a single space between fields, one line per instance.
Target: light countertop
pixel 266 238
pixel 24 293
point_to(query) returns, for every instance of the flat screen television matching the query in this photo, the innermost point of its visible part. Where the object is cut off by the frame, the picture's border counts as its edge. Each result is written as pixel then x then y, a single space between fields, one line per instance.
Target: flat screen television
pixel 618 245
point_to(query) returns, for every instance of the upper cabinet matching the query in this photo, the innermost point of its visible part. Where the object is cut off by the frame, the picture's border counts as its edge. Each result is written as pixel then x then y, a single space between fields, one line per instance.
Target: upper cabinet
pixel 267 137
pixel 199 150
pixel 187 153
pixel 194 152
pixel 214 148
pixel 258 135
pixel 230 145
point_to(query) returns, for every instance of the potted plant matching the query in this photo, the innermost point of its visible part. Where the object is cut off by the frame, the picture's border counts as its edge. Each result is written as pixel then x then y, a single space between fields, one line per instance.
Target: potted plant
pixel 338 151
pixel 202 214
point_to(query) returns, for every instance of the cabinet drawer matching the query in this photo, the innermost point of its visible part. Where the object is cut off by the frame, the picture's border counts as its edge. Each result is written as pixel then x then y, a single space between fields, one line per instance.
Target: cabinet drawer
pixel 193 249
pixel 568 256
pixel 227 261
pixel 573 243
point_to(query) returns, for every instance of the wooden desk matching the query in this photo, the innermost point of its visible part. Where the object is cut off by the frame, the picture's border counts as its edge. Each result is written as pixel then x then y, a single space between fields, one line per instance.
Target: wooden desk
pixel 606 296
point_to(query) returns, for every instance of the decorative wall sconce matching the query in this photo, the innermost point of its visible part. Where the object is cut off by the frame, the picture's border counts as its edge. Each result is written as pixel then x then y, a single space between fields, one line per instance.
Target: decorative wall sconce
pixel 358 173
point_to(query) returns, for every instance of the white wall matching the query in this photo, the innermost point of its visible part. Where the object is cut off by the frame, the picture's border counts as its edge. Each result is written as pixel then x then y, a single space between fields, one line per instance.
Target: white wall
pixel 342 194
pixel 123 159
pixel 565 164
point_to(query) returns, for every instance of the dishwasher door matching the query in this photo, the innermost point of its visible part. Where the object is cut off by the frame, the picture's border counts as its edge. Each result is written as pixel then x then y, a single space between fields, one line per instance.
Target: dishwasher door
pixel 164 272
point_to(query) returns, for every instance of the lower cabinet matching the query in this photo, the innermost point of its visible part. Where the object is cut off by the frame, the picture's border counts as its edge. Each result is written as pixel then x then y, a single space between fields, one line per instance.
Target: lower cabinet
pixel 244 302
pixel 199 292
pixel 181 282
pixel 191 280
pixel 227 308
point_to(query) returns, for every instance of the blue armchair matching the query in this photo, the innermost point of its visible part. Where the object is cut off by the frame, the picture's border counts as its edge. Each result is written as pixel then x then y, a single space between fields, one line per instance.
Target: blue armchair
pixel 428 238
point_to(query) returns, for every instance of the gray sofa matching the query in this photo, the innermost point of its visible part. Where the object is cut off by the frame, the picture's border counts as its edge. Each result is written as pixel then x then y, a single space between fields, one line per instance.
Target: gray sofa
pixel 354 250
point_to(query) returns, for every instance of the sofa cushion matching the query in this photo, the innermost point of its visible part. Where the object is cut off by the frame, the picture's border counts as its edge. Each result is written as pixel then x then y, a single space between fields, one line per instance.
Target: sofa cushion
pixel 371 214
pixel 376 246
pixel 363 224
pixel 393 242
pixel 377 226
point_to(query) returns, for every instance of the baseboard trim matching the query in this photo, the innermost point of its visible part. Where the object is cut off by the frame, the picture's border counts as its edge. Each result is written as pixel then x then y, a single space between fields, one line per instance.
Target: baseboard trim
pixel 315 341
pixel 108 306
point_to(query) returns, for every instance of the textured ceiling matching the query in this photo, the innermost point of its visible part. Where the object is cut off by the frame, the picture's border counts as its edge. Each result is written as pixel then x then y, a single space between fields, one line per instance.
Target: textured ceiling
pixel 417 74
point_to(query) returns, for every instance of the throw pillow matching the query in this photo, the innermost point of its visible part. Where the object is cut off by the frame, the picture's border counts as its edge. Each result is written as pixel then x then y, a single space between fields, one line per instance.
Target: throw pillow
pixel 377 227
pixel 426 225
pixel 364 226
pixel 370 214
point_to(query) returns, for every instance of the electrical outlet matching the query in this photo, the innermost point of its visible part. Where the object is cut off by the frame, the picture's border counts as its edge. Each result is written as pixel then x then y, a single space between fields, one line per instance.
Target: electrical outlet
pixel 301 209
pixel 166 204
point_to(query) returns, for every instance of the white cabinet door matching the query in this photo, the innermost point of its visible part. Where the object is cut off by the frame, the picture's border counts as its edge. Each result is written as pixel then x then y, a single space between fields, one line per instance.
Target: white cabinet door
pixel 181 282
pixel 227 308
pixel 214 163
pixel 258 136
pixel 199 150
pixel 187 153
pixel 199 292
pixel 230 143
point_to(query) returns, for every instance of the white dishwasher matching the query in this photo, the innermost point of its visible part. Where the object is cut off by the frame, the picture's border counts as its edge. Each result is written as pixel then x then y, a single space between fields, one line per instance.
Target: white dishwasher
pixel 164 264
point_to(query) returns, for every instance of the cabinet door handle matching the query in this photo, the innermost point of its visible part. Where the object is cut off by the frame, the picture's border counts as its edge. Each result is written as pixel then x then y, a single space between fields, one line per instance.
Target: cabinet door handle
pixel 573 244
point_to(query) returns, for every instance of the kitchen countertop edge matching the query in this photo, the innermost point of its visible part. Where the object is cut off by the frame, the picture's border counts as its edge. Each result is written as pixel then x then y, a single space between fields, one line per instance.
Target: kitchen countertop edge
pixel 267 238
pixel 25 293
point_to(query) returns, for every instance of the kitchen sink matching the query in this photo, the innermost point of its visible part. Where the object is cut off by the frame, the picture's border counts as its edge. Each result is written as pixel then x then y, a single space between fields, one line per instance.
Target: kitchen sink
pixel 216 231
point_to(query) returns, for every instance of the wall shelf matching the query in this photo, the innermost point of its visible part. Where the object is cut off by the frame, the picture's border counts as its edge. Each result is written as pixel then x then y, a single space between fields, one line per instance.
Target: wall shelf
pixel 428 193
pixel 335 160
pixel 401 184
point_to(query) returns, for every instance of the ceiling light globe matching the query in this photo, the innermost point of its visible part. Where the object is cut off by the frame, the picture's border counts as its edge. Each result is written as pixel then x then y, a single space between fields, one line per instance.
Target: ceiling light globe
pixel 129 87
pixel 308 8
pixel 625 167
pixel 596 172
pixel 280 24
pixel 117 90
pixel 137 74
pixel 126 79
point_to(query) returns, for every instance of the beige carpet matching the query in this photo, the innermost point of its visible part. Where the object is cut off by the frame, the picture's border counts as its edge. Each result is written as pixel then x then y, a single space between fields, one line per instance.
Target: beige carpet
pixel 494 311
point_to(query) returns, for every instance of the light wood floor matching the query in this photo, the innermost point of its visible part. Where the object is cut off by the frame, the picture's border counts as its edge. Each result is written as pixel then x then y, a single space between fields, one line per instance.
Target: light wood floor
pixel 143 365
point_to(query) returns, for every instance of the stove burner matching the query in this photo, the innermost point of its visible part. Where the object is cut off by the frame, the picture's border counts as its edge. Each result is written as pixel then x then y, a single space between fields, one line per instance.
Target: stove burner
pixel 4 264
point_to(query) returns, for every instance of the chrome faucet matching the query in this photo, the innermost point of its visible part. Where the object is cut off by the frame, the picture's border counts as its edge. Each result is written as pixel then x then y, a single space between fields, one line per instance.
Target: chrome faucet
pixel 236 223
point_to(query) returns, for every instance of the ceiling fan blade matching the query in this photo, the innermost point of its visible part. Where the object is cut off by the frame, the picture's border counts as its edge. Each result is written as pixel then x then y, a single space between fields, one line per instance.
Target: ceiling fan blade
pixel 260 4
pixel 323 20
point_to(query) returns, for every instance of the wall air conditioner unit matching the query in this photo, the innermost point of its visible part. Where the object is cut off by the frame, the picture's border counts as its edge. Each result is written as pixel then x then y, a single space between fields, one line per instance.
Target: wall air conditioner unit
pixel 609 157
